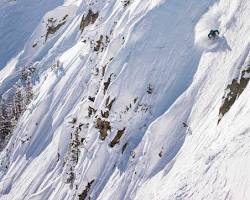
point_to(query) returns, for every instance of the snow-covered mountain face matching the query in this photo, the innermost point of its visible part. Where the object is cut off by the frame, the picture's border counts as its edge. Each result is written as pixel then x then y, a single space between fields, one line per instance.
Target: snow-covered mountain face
pixel 124 99
pixel 19 18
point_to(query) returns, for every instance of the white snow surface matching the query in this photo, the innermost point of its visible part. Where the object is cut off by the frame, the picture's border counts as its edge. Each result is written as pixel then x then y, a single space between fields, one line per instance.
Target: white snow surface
pixel 156 45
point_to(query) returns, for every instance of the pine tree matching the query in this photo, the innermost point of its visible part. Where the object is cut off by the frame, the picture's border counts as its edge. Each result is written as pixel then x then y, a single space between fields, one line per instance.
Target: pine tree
pixel 73 155
pixel 15 104
pixel 6 124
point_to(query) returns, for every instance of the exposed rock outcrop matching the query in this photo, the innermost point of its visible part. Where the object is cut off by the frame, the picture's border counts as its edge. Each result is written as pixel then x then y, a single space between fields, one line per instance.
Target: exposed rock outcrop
pixel 104 127
pixel 90 18
pixel 233 91
pixel 117 138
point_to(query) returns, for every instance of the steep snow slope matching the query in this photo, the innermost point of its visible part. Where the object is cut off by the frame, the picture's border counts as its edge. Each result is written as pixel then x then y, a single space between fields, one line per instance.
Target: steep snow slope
pixel 18 21
pixel 214 160
pixel 113 84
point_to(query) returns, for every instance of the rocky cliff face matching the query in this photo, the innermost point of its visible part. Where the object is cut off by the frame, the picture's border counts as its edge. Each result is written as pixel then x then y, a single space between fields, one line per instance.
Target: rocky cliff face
pixel 122 99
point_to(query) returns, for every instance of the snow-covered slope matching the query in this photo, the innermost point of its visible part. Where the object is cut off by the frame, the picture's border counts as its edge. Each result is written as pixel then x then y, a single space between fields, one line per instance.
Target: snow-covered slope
pixel 18 21
pixel 126 99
